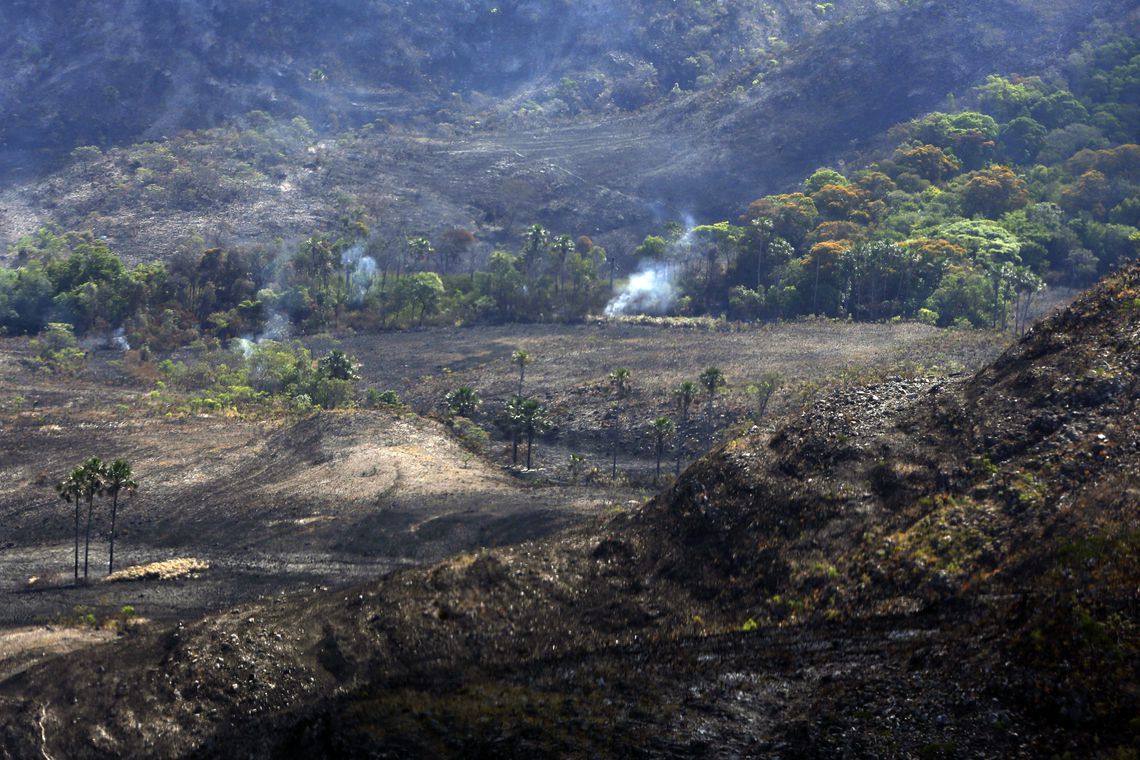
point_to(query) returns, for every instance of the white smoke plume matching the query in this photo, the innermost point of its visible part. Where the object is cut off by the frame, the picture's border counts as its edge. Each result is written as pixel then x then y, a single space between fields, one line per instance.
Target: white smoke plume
pixel 653 288
pixel 650 291
pixel 119 341
pixel 360 270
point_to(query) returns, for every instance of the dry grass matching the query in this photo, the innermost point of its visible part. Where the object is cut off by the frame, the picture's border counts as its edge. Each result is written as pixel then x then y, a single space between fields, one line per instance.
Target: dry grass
pixel 163 571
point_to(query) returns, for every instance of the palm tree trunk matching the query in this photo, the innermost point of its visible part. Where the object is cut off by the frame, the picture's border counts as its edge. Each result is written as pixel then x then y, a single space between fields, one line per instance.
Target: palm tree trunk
pixel 114 509
pixel 87 535
pixel 657 474
pixel 77 538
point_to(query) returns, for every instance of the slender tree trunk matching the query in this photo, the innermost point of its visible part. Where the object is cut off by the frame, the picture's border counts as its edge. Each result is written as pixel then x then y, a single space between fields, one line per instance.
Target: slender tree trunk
pixel 529 445
pixel 660 451
pixel 87 535
pixel 613 468
pixel 514 448
pixel 114 510
pixel 77 538
pixel 712 398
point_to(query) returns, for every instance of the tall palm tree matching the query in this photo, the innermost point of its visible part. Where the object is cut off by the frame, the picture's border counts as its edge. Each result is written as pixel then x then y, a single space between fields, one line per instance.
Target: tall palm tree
pixel 91 480
pixel 70 489
pixel 520 359
pixel 662 428
pixel 534 421
pixel 712 379
pixel 117 478
pixel 685 392
pixel 510 422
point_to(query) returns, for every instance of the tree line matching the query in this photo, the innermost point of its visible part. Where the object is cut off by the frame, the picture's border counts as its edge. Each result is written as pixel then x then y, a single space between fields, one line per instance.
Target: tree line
pixel 971 213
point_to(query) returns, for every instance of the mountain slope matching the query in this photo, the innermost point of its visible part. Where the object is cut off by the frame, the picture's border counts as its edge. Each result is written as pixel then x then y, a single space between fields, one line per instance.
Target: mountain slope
pixel 920 568
pixel 756 128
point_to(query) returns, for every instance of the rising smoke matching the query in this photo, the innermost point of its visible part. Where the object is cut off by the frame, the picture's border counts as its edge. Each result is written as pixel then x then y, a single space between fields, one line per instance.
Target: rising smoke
pixel 360 271
pixel 653 288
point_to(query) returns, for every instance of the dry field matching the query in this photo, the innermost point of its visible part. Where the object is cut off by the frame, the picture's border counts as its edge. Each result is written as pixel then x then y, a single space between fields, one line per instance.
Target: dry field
pixel 339 497
pixel 571 365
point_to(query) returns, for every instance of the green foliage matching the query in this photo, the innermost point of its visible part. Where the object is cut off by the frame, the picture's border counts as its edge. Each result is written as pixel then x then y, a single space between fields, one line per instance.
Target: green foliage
pixel 621 379
pixel 377 398
pixel 55 350
pixel 462 401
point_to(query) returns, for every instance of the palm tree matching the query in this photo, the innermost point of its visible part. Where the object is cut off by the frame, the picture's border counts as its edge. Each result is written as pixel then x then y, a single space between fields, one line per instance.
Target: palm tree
pixel 533 421
pixel 620 380
pixel 70 489
pixel 91 475
pixel 520 359
pixel 559 252
pixel 685 392
pixel 463 401
pixel 510 422
pixel 662 428
pixel 117 477
pixel 536 239
pixel 712 379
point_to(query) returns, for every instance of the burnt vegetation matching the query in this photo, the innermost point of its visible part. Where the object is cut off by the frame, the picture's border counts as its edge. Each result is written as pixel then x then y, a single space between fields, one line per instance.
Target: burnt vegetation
pixel 602 379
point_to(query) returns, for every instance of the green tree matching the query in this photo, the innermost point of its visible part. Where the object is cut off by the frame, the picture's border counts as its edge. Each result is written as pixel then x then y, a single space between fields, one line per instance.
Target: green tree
pixel 92 479
pixel 662 428
pixel 620 379
pixel 762 391
pixel 421 250
pixel 339 366
pixel 529 418
pixel 56 349
pixel 520 359
pixel 685 393
pixel 423 290
pixel 560 251
pixel 462 401
pixel 510 422
pixel 712 379
pixel 117 477
pixel 534 247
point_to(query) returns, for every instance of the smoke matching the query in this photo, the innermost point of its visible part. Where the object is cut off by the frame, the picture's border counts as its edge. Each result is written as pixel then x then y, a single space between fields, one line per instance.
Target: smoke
pixel 653 288
pixel 360 270
pixel 650 291
pixel 243 346
pixel 118 340
pixel 114 341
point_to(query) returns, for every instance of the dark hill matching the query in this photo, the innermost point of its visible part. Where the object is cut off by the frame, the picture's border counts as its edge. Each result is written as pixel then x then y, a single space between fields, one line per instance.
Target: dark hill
pixel 108 72
pixel 913 569
pixel 492 162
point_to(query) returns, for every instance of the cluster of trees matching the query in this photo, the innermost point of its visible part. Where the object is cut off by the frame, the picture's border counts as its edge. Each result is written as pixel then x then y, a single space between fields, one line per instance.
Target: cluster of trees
pixel 523 418
pixel 964 223
pixel 268 372
pixel 96 478
pixel 345 278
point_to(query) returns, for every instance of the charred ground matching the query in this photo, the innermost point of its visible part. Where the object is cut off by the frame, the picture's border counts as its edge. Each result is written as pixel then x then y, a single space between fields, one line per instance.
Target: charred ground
pixel 923 568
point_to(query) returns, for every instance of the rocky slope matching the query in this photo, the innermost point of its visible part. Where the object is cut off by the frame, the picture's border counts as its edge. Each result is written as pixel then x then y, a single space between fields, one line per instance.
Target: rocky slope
pixel 924 569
